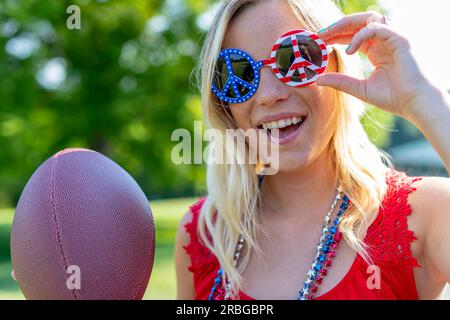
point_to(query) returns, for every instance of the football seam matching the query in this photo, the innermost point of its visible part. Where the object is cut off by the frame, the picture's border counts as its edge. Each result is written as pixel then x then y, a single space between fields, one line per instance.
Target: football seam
pixel 62 253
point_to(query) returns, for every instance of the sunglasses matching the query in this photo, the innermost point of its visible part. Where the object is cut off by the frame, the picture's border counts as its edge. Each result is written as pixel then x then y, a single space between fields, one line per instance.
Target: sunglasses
pixel 297 59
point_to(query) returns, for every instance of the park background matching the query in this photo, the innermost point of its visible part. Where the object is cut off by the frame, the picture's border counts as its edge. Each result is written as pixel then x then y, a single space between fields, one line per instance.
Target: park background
pixel 122 84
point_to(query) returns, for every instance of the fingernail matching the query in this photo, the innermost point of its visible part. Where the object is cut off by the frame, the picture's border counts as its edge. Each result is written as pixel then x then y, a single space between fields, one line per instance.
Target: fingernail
pixel 348 47
pixel 331 25
pixel 326 28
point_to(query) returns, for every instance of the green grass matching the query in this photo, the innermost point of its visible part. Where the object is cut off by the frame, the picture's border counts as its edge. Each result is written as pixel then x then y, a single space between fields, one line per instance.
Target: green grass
pixel 167 215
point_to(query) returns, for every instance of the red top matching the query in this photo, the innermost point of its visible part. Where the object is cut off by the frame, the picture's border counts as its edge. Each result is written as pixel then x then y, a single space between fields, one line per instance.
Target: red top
pixel 389 243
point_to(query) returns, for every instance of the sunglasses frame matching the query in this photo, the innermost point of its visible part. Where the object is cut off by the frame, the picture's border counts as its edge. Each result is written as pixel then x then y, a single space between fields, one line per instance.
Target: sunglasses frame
pixel 299 64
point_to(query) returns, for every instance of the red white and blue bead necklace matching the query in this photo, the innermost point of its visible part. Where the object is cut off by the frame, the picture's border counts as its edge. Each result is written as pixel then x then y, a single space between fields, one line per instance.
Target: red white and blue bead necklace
pixel 326 247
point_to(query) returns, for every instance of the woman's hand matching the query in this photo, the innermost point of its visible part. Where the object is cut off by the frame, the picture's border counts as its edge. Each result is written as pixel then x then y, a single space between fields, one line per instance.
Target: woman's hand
pixel 397 84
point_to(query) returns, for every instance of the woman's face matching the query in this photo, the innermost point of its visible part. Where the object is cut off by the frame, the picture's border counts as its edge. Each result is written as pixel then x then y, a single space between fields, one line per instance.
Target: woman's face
pixel 254 30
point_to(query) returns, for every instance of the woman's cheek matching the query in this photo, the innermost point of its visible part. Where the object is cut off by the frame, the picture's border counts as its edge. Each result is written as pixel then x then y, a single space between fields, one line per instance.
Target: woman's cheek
pixel 241 117
pixel 324 112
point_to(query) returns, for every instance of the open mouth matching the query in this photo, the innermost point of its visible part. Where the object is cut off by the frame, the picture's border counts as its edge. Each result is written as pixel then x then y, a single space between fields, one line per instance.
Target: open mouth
pixel 286 127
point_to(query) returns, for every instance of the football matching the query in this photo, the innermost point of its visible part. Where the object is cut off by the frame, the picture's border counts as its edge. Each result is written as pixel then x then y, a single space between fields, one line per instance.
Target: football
pixel 82 229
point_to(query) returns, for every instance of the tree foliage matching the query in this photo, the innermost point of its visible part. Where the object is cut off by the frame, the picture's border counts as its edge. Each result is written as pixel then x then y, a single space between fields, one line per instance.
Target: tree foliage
pixel 119 85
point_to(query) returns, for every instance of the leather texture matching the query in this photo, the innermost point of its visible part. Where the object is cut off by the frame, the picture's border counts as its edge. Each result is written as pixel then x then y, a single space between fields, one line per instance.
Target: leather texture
pixel 81 208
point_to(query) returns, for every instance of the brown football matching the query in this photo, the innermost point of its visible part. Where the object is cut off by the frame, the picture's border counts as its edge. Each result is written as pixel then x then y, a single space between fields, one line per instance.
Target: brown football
pixel 83 229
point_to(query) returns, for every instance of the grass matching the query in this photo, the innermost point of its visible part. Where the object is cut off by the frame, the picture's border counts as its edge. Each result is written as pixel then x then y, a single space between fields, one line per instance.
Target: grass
pixel 167 215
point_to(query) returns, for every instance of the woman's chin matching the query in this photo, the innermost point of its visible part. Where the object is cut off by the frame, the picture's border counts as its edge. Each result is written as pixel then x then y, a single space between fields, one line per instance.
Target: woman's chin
pixel 292 163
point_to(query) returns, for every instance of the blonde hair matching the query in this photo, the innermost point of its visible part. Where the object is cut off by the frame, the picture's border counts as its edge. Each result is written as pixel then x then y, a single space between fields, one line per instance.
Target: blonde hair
pixel 234 198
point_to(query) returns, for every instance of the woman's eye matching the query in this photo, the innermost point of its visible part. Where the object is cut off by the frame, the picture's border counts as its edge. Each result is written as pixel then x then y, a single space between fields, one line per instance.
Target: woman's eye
pixel 248 74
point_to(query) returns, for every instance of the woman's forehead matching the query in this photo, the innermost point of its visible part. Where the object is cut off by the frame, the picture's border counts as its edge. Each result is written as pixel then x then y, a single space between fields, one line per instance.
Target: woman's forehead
pixel 258 26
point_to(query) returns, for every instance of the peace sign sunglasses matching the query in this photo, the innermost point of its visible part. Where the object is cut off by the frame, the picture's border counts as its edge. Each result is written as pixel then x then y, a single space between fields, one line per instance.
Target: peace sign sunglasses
pixel 297 58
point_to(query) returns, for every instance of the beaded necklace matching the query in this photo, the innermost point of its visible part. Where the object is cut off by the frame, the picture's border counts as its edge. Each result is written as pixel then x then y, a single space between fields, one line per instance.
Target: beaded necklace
pixel 326 247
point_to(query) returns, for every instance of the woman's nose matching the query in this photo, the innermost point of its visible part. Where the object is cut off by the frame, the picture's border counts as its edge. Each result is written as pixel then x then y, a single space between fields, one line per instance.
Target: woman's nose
pixel 270 89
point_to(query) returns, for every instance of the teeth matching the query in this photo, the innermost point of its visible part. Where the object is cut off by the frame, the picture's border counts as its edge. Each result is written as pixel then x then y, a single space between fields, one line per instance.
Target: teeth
pixel 283 123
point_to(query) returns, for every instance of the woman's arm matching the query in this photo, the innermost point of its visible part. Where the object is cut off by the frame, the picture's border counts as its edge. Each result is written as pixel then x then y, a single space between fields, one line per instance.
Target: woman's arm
pixel 430 223
pixel 397 85
pixel 185 281
pixel 436 244
pixel 430 113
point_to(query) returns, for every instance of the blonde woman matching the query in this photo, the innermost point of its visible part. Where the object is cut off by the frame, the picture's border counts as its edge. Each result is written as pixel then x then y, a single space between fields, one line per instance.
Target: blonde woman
pixel 336 221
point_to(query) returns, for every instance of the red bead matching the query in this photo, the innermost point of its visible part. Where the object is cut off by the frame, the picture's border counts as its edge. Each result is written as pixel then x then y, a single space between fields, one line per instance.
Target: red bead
pixel 327 263
pixel 338 236
pixel 319 280
pixel 324 272
pixel 314 289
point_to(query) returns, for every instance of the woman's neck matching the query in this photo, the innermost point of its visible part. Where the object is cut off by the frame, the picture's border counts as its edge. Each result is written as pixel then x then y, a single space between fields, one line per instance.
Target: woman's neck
pixel 312 186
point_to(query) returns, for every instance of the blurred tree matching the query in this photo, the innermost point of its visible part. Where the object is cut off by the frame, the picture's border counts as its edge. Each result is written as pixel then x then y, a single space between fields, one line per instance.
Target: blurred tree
pixel 119 85
pixel 108 86
pixel 352 6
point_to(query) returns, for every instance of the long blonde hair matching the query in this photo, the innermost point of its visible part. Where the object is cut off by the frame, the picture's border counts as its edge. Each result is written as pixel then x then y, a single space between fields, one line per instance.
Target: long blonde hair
pixel 234 198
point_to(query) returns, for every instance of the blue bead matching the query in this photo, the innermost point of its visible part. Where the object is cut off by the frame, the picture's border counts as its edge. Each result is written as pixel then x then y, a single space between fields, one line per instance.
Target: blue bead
pixel 318 266
pixel 322 258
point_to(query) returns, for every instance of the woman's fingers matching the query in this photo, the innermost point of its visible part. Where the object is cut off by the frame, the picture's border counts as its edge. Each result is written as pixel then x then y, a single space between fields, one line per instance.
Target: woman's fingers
pixel 375 32
pixel 345 83
pixel 340 39
pixel 350 24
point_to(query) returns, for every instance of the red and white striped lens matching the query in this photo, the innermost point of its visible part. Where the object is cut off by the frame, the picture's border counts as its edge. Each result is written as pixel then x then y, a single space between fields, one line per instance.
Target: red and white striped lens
pixel 298 57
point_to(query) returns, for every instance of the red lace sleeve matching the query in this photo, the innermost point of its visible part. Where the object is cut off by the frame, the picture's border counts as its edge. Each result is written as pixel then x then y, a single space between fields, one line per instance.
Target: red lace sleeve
pixel 204 264
pixel 198 253
pixel 389 238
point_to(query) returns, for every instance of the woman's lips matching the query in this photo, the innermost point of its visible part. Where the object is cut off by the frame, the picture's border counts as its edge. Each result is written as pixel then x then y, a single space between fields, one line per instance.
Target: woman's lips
pixel 279 116
pixel 287 134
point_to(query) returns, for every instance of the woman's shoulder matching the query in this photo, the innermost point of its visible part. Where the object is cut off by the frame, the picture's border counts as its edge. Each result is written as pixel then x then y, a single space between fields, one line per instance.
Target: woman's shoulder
pixel 190 219
pixel 187 227
pixel 429 203
pixel 420 197
pixel 400 228
pixel 431 193
pixel 400 182
pixel 391 235
pixel 430 222
pixel 424 187
pixel 401 190
pixel 199 254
